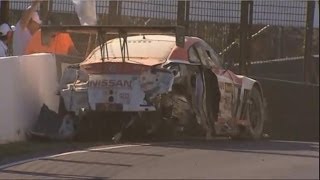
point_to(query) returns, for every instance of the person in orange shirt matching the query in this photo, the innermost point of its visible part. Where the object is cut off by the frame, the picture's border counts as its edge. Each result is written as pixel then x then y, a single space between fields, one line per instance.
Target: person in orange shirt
pixel 59 43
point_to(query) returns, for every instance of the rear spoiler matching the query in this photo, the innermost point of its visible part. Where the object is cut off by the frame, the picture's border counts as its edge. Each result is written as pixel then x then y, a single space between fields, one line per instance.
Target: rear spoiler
pixel 178 31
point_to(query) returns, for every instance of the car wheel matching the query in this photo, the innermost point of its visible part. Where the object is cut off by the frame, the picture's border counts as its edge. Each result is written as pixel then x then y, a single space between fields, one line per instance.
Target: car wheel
pixel 256 115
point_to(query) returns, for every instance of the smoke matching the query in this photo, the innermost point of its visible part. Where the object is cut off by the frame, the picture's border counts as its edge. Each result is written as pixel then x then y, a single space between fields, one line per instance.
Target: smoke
pixel 86 11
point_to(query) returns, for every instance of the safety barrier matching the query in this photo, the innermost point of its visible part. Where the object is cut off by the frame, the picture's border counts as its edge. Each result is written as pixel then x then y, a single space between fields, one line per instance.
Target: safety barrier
pixel 290 69
pixel 26 83
pixel 293 106
pixel 293 109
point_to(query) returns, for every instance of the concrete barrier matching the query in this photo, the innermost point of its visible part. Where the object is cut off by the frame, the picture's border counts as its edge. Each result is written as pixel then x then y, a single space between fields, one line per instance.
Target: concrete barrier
pixel 26 82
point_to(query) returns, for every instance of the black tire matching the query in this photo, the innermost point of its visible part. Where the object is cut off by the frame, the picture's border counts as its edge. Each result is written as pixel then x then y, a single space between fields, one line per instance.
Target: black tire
pixel 256 116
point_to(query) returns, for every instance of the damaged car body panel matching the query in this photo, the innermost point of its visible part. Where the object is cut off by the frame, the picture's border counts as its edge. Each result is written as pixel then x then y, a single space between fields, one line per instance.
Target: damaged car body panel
pixel 182 84
pixel 111 92
pixel 127 92
pixel 114 85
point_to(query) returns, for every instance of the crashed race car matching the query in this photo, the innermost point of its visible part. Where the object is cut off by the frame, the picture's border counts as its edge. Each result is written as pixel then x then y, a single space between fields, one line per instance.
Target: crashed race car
pixel 156 77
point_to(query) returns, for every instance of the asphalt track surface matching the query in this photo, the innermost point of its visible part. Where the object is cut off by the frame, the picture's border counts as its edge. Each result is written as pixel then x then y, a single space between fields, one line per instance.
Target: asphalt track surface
pixel 194 159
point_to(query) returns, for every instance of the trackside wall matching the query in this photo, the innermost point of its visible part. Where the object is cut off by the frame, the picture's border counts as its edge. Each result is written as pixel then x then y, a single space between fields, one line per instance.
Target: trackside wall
pixel 26 82
pixel 293 109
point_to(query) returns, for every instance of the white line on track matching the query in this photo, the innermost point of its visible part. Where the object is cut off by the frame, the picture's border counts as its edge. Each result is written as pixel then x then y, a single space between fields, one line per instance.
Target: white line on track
pixel 115 147
pixel 69 153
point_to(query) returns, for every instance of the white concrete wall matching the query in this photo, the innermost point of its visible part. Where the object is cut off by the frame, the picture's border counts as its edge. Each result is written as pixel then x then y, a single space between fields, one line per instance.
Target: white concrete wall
pixel 26 82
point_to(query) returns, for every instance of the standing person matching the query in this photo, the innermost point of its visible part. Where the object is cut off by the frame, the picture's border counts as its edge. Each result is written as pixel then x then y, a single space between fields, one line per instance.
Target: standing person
pixel 5 38
pixel 28 24
pixel 58 42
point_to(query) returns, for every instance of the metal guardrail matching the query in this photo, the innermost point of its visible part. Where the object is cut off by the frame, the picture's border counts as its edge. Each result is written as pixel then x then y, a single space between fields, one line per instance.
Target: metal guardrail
pixel 290 69
pixel 274 60
pixel 280 60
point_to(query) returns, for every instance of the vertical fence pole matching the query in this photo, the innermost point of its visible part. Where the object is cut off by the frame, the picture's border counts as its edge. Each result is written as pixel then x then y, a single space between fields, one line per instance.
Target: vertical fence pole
pixel 119 12
pixel 183 14
pixel 187 15
pixel 113 5
pixel 4 11
pixel 248 41
pixel 44 11
pixel 114 12
pixel 244 27
pixel 308 41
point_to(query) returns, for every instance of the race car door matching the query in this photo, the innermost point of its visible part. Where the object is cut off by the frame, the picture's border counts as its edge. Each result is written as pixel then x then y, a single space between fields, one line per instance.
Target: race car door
pixel 220 88
pixel 211 90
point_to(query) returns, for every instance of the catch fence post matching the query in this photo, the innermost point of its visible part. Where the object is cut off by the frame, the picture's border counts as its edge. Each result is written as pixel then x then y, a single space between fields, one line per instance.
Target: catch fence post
pixel 4 11
pixel 183 14
pixel 114 16
pixel 44 11
pixel 307 68
pixel 245 24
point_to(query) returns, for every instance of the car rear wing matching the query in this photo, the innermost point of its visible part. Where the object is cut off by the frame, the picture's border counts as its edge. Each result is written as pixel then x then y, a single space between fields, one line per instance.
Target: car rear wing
pixel 178 31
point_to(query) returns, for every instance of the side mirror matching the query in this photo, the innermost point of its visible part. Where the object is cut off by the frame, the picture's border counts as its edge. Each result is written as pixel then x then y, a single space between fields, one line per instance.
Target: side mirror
pixel 227 64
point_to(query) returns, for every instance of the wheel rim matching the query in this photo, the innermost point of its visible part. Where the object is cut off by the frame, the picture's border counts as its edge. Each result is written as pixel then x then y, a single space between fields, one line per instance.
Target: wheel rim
pixel 254 114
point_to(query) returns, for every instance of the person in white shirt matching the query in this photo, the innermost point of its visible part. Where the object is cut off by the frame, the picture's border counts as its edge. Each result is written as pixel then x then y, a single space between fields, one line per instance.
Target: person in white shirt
pixel 28 24
pixel 5 37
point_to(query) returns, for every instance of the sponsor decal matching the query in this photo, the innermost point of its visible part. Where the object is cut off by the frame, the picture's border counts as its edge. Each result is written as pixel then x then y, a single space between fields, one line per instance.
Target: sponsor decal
pixel 228 87
pixel 106 83
pixel 125 97
pixel 139 41
pixel 115 68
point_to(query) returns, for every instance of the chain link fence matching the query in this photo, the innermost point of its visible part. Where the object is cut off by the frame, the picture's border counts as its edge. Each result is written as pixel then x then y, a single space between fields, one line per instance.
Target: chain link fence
pixel 217 22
